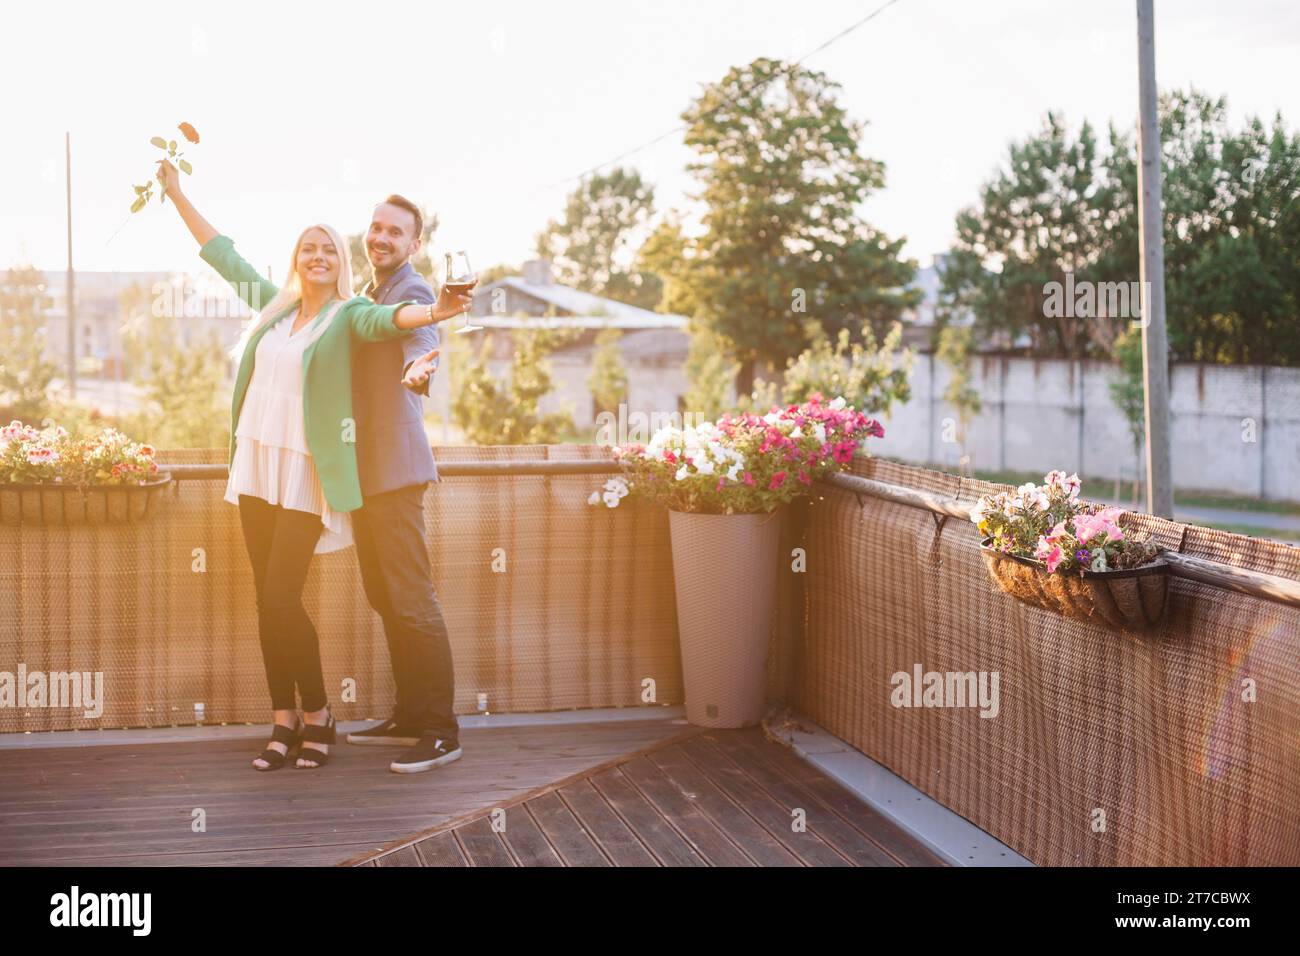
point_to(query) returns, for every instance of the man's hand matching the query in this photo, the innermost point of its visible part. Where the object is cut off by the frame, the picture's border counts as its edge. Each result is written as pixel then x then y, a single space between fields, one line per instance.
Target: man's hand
pixel 419 371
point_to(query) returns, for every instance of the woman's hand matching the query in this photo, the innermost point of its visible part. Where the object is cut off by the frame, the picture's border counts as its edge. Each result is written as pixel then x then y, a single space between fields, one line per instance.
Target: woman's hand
pixel 170 178
pixel 451 304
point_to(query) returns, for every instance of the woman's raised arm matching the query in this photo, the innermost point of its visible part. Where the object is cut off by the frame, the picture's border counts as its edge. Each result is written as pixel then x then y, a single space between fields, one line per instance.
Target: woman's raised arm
pixel 202 230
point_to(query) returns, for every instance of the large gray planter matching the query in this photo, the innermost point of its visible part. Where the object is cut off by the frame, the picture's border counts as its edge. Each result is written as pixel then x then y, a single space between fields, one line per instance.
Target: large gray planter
pixel 724 567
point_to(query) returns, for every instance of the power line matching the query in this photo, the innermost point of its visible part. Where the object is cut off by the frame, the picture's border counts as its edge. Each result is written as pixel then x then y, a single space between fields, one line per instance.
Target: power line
pixel 678 129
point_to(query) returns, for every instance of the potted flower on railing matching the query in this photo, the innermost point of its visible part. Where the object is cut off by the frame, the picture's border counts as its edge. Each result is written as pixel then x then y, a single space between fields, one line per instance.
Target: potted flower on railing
pixel 1045 547
pixel 723 484
pixel 49 477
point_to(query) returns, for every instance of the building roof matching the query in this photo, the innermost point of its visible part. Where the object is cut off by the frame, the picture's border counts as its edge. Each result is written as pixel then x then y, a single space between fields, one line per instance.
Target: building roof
pixel 579 309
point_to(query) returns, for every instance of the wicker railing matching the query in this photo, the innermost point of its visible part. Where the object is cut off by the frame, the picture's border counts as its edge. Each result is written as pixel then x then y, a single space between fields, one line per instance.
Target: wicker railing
pixel 551 604
pixel 1109 747
pixel 1177 747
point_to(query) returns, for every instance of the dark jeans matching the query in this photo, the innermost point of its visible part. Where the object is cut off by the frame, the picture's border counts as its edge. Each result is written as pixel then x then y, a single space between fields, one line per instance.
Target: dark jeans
pixel 280 544
pixel 393 551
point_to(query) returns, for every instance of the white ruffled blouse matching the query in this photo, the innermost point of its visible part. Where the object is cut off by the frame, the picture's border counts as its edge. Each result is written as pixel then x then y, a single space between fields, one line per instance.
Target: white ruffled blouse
pixel 272 460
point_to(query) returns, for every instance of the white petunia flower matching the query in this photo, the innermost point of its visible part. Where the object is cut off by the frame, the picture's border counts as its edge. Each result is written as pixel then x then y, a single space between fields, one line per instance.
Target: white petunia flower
pixel 837 403
pixel 611 498
pixel 681 473
pixel 593 498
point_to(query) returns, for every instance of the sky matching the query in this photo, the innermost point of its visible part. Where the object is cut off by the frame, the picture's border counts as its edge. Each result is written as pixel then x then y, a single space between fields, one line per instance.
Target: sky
pixel 487 112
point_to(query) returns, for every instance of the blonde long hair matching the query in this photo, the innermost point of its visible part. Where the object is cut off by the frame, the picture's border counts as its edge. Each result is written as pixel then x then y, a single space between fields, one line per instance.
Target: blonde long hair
pixel 291 292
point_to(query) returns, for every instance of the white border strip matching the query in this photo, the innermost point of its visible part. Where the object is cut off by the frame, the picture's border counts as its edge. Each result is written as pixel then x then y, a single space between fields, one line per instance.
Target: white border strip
pixel 953 837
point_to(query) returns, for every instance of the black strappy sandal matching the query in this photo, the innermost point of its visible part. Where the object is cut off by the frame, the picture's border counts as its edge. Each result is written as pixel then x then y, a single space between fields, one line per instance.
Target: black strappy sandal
pixel 317 734
pixel 291 737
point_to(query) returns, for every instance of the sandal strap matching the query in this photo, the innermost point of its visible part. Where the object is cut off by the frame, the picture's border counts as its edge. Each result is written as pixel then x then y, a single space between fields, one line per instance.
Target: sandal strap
pixel 273 757
pixel 281 734
pixel 320 735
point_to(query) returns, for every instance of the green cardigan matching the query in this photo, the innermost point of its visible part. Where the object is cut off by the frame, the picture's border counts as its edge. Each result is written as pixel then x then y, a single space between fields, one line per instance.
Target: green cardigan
pixel 327 371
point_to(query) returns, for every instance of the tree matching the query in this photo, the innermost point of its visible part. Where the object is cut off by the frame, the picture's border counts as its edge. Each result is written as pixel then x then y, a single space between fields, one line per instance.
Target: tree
pixel 25 373
pixel 1128 392
pixel 590 246
pixel 869 376
pixel 185 404
pixel 608 380
pixel 492 413
pixel 956 345
pixel 1058 206
pixel 665 255
pixel 1042 216
pixel 781 181
pixel 1232 233
pixel 148 335
pixel 709 373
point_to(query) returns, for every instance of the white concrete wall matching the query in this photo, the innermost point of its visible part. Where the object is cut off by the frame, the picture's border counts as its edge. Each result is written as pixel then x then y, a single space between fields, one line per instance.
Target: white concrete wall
pixel 1040 415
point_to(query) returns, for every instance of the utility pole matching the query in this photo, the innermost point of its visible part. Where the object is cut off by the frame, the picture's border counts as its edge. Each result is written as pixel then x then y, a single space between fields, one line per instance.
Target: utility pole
pixel 72 291
pixel 1155 344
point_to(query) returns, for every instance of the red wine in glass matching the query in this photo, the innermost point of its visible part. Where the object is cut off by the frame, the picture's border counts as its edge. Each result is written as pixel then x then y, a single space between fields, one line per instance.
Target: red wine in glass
pixel 460 279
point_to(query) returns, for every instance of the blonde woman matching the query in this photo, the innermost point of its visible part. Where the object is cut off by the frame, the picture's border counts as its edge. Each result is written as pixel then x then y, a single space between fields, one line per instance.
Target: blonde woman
pixel 293 468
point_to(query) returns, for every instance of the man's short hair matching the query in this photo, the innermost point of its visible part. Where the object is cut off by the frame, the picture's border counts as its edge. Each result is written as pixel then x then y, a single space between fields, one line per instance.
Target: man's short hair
pixel 401 202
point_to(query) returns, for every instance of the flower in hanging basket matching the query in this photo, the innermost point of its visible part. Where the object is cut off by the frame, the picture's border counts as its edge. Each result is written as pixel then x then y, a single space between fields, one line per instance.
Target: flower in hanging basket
pixel 743 464
pixel 1045 547
pixel 1050 524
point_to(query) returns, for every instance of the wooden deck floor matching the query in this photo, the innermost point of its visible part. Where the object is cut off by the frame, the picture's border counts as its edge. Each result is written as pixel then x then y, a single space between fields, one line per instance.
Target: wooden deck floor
pixel 715 798
pixel 123 805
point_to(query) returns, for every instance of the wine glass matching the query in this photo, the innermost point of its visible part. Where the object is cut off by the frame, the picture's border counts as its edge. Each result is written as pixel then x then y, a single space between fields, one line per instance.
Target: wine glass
pixel 459 278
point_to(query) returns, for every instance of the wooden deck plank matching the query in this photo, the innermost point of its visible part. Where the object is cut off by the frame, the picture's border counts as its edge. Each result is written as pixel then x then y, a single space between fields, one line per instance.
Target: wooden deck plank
pixel 564 831
pixel 483 845
pixel 645 820
pixel 620 844
pixel 440 850
pixel 900 844
pixel 406 856
pixel 821 819
pixel 708 840
pixel 776 818
pixel 732 820
pixel 527 842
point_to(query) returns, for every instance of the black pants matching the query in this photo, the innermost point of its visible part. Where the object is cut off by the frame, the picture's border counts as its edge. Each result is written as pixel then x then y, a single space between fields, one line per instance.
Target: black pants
pixel 280 545
pixel 393 551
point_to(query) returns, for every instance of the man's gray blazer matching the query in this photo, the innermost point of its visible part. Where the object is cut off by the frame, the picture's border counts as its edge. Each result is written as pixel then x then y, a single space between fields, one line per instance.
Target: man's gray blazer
pixel 392 449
